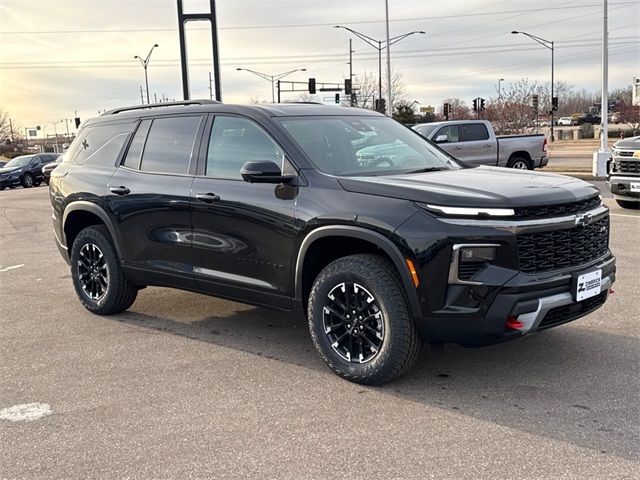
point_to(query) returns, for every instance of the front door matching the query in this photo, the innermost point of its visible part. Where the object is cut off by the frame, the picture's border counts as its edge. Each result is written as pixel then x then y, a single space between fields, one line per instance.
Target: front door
pixel 478 147
pixel 242 232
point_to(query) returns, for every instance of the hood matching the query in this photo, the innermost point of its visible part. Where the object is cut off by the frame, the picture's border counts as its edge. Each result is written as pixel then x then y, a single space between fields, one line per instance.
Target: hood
pixel 9 169
pixel 632 143
pixel 475 187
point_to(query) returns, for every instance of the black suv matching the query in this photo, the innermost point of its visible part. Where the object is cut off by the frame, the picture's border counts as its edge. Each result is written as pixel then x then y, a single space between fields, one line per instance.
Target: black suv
pixel 286 206
pixel 25 170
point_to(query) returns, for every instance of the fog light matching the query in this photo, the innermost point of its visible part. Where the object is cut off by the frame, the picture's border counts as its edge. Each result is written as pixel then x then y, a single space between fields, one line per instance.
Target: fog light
pixel 477 254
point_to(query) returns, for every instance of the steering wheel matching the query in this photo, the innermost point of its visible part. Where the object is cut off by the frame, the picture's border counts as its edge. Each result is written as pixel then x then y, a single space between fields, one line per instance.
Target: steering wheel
pixel 382 160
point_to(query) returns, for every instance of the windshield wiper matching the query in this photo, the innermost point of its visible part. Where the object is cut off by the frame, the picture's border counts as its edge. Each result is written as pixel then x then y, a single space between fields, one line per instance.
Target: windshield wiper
pixel 426 169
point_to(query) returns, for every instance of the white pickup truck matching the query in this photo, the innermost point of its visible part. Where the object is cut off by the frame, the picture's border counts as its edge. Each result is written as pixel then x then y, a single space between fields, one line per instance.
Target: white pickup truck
pixel 474 142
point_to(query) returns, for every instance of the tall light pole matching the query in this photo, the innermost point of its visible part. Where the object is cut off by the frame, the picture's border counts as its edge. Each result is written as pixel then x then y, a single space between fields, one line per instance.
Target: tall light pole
pixel 601 156
pixel 378 45
pixel 547 44
pixel 271 78
pixel 145 64
pixel 500 80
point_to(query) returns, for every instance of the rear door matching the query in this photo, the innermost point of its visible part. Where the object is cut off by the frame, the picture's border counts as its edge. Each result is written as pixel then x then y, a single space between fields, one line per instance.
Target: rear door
pixel 478 146
pixel 149 196
pixel 242 232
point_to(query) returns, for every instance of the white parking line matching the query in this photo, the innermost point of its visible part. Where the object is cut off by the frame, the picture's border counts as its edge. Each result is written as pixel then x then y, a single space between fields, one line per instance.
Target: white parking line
pixel 613 215
pixel 25 412
pixel 11 267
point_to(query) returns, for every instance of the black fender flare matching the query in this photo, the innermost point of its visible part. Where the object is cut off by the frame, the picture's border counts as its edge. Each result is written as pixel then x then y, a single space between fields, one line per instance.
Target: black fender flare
pixel 382 242
pixel 82 205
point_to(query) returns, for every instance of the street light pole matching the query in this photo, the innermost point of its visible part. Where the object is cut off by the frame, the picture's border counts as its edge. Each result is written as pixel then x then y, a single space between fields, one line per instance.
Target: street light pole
pixel 550 45
pixel 377 44
pixel 145 64
pixel 272 78
pixel 500 80
pixel 389 89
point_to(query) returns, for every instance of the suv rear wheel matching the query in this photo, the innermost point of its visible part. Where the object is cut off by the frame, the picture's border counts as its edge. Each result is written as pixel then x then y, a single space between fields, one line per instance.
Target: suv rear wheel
pixel 97 276
pixel 360 321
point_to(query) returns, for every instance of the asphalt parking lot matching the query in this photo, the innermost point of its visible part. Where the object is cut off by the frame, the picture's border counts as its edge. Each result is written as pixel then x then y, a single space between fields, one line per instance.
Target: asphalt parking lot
pixel 185 386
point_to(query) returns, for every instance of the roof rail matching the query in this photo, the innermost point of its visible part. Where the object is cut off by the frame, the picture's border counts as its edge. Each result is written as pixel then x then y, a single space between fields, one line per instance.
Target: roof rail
pixel 158 105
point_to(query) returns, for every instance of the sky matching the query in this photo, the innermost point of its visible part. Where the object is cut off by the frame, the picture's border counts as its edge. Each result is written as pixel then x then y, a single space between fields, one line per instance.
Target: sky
pixel 59 57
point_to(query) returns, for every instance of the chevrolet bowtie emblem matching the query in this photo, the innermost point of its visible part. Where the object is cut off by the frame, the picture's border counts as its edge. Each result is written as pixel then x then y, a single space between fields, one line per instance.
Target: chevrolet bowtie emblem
pixel 583 219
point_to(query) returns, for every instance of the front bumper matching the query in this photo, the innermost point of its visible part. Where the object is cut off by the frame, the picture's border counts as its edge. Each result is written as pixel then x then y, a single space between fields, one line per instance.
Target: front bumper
pixel 9 182
pixel 537 304
pixel 620 185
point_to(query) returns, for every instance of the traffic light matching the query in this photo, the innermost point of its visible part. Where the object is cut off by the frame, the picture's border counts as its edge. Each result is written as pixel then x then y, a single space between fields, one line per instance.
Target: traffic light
pixel 554 103
pixel 337 98
pixel 77 120
pixel 446 110
pixel 481 104
pixel 347 86
pixel 534 102
pixel 475 104
pixel 312 85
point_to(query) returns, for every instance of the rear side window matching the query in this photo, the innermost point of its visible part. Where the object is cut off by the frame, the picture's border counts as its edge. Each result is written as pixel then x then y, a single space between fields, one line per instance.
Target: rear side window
pixel 99 145
pixel 474 131
pixel 169 145
pixel 134 154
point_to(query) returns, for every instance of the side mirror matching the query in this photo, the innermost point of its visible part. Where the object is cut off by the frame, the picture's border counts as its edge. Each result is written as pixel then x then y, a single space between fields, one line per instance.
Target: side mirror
pixel 441 139
pixel 263 172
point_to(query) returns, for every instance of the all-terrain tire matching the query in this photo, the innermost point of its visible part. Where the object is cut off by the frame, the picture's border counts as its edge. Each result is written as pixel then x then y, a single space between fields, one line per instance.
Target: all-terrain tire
pixel 119 293
pixel 401 343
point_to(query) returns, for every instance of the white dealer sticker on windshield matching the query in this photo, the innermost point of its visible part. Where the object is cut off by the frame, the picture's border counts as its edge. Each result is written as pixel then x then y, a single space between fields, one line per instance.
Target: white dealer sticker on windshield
pixel 588 285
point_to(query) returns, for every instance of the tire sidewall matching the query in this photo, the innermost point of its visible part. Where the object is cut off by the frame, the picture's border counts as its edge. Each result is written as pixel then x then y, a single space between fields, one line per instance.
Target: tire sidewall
pixel 518 160
pixel 25 182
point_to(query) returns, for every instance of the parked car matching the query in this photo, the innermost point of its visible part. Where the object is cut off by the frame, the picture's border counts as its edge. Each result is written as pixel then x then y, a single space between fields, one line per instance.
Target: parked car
pixel 272 205
pixel 49 167
pixel 475 143
pixel 25 170
pixel 623 172
pixel 566 121
pixel 2 163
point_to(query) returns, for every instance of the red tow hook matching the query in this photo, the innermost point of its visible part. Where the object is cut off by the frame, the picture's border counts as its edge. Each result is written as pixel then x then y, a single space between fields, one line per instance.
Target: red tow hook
pixel 611 291
pixel 513 323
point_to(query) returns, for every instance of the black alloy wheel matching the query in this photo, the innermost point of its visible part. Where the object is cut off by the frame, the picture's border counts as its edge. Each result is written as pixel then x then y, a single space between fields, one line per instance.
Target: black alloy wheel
pixel 93 271
pixel 353 322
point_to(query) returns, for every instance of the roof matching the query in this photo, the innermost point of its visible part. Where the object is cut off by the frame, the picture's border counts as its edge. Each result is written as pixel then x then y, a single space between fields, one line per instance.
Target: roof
pixel 209 106
pixel 451 122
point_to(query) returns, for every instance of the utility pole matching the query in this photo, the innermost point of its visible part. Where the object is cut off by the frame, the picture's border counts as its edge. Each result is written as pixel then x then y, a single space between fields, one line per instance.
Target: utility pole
pixel 155 98
pixel 66 122
pixel 351 70
pixel 389 86
pixel 600 157
pixel 11 130
pixel 210 89
pixel 141 96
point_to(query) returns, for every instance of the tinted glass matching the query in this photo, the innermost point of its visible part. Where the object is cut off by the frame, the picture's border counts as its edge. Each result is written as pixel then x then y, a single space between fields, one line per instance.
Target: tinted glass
pixel 368 145
pixel 235 141
pixel 19 161
pixel 99 145
pixel 424 130
pixel 451 131
pixel 170 144
pixel 132 160
pixel 474 131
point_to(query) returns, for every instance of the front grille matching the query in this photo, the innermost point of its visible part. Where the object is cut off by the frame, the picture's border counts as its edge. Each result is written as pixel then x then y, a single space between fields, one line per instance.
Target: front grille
pixel 560 315
pixel 558 210
pixel 558 249
pixel 629 166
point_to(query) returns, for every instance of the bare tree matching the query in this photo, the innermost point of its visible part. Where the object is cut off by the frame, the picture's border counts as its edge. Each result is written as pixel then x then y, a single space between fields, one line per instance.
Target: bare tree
pixel 368 89
pixel 6 125
pixel 459 109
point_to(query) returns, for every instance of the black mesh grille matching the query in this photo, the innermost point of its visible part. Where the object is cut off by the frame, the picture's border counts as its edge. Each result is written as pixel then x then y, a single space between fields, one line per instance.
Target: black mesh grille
pixel 557 249
pixel 629 166
pixel 560 315
pixel 558 210
pixel 469 269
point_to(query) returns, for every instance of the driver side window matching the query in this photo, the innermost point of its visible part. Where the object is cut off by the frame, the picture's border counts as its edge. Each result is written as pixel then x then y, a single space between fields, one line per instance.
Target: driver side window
pixel 235 141
pixel 451 131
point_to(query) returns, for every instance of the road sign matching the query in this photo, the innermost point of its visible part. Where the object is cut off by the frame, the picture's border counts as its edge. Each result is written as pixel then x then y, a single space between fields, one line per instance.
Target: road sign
pixel 428 109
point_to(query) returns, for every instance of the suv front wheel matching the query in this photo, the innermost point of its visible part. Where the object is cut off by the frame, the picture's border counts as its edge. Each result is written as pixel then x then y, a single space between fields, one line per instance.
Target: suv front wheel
pixel 97 275
pixel 360 321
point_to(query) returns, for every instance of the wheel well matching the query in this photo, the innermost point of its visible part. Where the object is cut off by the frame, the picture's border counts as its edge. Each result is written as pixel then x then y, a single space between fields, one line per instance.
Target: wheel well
pixel 522 154
pixel 327 249
pixel 77 221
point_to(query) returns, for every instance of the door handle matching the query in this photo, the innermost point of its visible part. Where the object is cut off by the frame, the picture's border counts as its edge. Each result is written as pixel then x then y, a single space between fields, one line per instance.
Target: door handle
pixel 119 190
pixel 207 197
pixel 488 146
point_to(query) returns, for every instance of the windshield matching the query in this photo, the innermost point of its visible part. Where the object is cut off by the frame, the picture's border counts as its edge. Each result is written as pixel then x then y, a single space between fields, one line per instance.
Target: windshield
pixel 365 145
pixel 19 161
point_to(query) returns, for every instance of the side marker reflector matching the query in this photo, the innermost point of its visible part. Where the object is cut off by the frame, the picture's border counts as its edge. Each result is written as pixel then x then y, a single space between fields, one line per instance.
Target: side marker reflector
pixel 413 272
